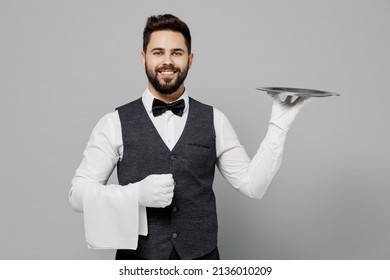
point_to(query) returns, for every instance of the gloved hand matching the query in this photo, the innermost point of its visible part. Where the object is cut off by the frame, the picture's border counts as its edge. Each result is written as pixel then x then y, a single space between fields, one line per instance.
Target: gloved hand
pixel 284 112
pixel 156 190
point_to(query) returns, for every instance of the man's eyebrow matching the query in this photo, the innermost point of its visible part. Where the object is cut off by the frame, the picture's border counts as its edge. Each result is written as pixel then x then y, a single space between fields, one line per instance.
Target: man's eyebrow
pixel 157 49
pixel 177 50
pixel 172 50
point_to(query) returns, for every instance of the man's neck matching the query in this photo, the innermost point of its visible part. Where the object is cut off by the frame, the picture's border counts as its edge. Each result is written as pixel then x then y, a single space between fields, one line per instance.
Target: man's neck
pixel 167 98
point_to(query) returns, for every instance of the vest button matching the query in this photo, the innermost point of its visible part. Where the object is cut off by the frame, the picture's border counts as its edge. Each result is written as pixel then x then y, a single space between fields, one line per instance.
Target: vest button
pixel 174 235
pixel 173 157
pixel 174 209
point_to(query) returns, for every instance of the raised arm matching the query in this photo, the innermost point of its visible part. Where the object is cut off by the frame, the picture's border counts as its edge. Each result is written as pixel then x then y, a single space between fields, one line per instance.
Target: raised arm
pixel 252 177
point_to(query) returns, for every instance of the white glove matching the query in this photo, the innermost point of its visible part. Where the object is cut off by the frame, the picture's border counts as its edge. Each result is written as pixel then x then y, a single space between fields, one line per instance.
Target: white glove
pixel 284 112
pixel 156 190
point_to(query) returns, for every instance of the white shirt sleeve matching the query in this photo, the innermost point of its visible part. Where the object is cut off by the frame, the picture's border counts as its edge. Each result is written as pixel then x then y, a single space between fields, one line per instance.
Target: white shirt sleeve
pixel 249 177
pixel 111 212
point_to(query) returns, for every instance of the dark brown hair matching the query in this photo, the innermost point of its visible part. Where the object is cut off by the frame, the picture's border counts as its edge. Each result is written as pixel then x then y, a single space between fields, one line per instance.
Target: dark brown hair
pixel 166 22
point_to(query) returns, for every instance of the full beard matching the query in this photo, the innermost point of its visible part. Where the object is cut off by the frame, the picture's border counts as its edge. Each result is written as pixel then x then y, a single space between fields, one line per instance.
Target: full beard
pixel 166 85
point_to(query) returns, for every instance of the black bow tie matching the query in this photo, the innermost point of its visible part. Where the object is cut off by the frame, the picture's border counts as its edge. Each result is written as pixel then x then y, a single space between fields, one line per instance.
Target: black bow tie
pixel 159 107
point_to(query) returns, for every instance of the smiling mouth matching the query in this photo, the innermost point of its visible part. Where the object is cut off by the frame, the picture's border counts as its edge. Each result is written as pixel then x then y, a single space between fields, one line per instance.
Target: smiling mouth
pixel 167 74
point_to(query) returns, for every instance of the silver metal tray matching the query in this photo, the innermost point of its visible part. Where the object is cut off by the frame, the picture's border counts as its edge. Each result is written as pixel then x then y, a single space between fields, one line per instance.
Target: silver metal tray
pixel 298 91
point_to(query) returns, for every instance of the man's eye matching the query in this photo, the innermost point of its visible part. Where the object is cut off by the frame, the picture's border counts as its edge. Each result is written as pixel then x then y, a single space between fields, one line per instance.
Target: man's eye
pixel 157 53
pixel 177 53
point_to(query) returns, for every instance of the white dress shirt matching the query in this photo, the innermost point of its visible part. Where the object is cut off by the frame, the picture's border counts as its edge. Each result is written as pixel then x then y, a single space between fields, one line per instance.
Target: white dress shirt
pixel 112 216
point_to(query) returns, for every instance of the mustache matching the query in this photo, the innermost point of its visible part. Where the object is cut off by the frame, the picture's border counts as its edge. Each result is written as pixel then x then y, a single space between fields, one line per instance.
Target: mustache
pixel 167 68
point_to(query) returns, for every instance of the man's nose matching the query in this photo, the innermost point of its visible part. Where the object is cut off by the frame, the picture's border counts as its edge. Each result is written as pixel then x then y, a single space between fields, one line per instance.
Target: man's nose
pixel 168 59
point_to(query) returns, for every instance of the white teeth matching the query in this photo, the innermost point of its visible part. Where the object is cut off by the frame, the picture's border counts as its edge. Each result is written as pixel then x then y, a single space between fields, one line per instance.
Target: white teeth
pixel 167 73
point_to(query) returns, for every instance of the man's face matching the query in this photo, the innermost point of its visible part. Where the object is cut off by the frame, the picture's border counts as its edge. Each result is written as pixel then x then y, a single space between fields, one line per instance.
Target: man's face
pixel 167 61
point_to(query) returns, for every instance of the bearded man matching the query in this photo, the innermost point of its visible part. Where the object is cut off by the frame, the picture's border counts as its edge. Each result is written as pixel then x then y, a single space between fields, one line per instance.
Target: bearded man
pixel 165 146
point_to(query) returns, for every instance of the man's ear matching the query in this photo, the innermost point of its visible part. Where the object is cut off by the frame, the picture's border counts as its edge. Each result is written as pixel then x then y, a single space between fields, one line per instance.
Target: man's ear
pixel 191 58
pixel 143 59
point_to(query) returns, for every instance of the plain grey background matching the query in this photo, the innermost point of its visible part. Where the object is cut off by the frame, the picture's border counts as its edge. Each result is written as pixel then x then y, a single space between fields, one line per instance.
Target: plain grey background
pixel 64 64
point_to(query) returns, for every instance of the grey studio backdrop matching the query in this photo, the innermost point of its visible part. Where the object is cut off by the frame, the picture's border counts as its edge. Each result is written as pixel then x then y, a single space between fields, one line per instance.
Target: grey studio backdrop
pixel 64 64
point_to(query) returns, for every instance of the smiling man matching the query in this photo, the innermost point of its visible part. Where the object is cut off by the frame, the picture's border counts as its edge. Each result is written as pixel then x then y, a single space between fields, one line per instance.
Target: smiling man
pixel 165 146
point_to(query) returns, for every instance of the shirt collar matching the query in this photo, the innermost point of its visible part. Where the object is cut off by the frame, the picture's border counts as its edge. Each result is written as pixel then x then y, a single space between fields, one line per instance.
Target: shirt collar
pixel 148 97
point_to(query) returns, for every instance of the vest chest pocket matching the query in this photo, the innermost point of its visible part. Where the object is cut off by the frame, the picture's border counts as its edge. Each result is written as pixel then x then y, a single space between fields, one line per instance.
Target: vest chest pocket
pixel 200 158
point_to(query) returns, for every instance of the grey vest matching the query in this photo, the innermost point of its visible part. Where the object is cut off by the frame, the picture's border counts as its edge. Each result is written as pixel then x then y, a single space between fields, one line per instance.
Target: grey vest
pixel 189 224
